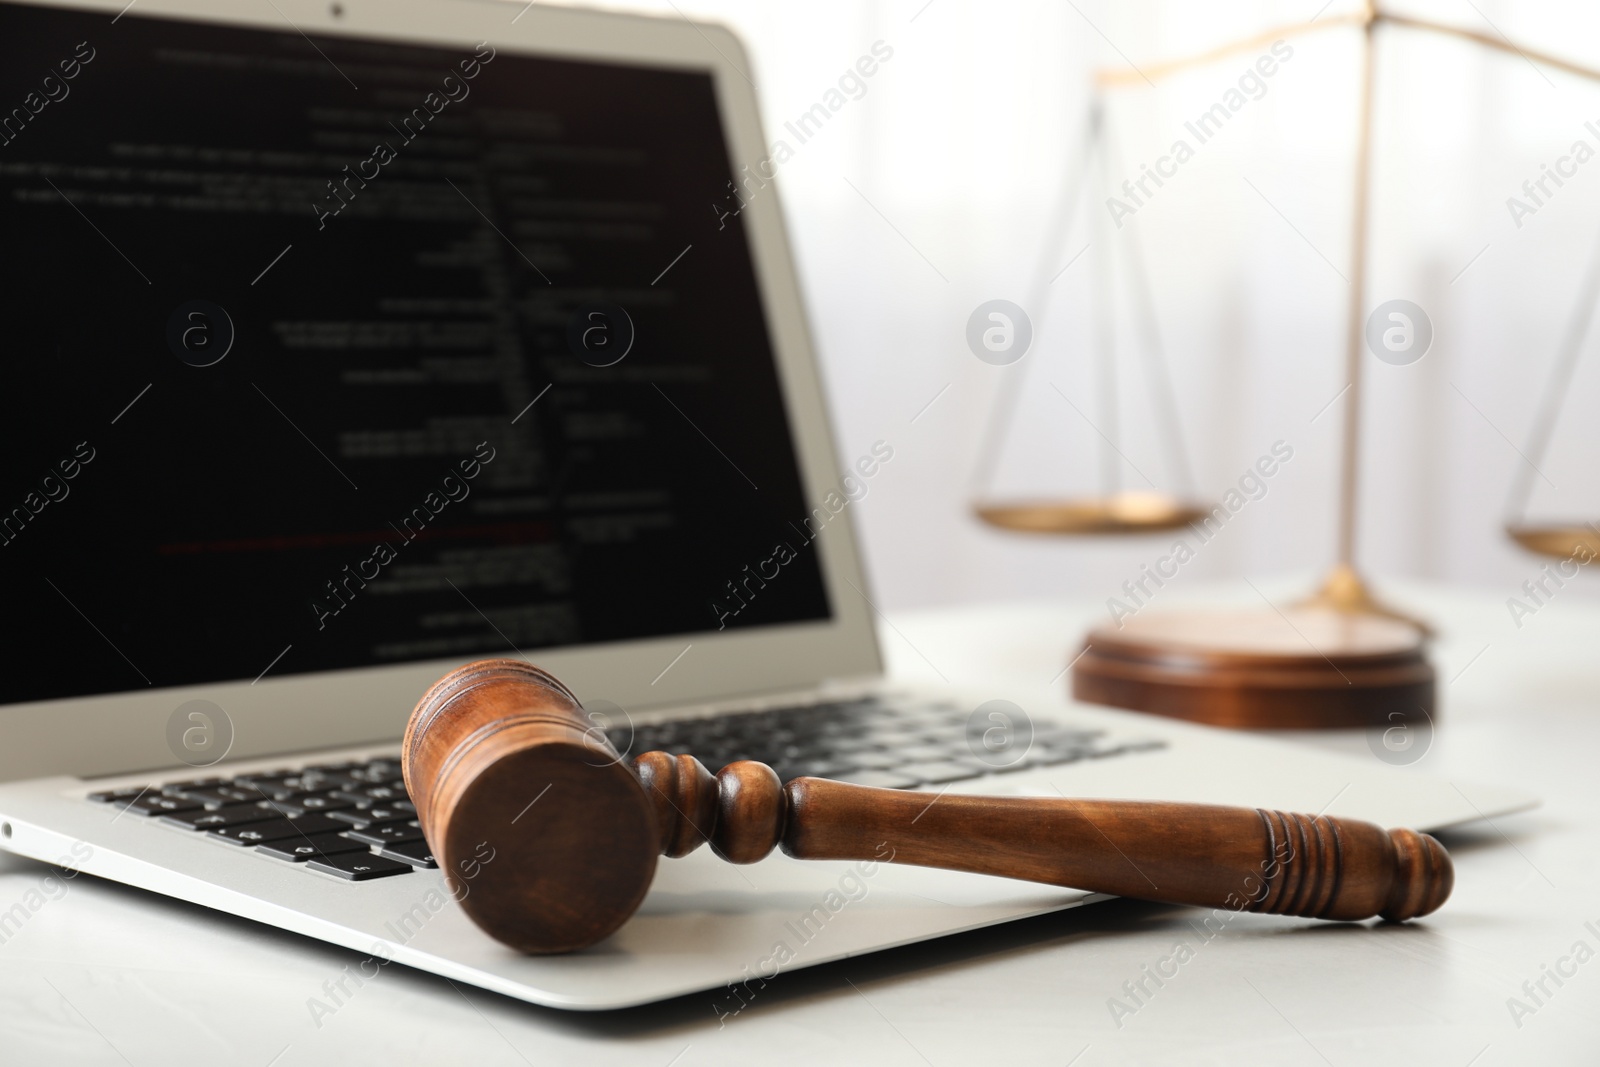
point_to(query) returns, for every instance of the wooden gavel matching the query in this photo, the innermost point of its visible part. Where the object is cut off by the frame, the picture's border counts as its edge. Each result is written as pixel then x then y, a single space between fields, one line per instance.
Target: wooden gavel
pixel 502 763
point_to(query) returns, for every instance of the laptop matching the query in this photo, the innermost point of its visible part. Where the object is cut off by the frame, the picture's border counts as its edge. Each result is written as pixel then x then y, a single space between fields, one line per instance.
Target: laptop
pixel 353 341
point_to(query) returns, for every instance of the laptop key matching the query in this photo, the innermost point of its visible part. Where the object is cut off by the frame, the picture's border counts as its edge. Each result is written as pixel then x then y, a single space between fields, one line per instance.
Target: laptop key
pixel 292 789
pixel 161 804
pixel 301 849
pixel 328 779
pixel 255 833
pixel 1049 757
pixel 310 783
pixel 282 808
pixel 852 744
pixel 415 853
pixel 826 768
pixel 880 779
pixel 874 759
pixel 192 783
pixel 258 833
pixel 221 796
pixel 937 773
pixel 264 777
pixel 892 731
pixel 925 753
pixel 321 802
pixel 390 834
pixel 120 797
pixel 304 805
pixel 1061 737
pixel 358 867
pixel 363 819
pixel 201 819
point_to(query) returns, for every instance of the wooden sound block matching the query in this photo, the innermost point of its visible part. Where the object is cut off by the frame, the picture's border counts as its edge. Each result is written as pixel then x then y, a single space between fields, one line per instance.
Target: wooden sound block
pixel 1299 668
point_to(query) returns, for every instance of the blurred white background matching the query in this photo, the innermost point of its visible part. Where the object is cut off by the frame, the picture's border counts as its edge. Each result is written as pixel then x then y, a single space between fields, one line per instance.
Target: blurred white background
pixel 939 189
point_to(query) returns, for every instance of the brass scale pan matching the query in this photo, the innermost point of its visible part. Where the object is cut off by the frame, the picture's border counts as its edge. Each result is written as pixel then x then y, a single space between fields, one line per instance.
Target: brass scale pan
pixel 1121 513
pixel 1557 540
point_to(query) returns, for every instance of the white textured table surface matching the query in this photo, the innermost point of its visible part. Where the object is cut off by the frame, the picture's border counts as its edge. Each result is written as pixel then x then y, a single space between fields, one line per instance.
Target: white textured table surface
pixel 104 974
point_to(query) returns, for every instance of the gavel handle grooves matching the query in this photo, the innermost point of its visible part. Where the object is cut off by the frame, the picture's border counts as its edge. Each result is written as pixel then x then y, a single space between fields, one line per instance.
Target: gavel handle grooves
pixel 1220 857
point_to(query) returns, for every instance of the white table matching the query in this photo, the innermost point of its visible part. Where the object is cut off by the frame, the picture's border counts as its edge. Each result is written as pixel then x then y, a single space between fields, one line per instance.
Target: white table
pixel 104 974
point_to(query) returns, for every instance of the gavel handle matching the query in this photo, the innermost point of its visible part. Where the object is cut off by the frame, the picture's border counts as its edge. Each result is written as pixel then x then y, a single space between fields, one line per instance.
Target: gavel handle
pixel 1243 859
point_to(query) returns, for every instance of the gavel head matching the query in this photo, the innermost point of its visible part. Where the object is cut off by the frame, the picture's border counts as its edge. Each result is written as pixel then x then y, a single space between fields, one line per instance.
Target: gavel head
pixel 544 831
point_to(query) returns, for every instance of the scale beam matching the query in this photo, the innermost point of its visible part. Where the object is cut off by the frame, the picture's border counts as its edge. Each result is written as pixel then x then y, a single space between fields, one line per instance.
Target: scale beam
pixel 1345 589
pixel 1502 44
pixel 1111 77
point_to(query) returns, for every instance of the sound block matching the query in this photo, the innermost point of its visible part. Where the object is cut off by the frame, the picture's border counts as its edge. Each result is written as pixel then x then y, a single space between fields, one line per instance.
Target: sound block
pixel 1299 668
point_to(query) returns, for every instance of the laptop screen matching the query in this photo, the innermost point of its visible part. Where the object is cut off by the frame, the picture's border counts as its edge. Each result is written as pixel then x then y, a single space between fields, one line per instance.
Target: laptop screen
pixel 324 353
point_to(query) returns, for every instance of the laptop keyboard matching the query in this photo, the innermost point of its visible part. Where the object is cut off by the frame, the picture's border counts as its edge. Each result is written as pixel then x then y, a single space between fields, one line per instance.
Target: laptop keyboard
pixel 350 820
pixel 354 821
pixel 874 741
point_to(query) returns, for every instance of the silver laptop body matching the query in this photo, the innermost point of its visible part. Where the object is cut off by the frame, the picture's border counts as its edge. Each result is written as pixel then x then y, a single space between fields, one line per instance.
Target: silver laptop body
pixel 334 404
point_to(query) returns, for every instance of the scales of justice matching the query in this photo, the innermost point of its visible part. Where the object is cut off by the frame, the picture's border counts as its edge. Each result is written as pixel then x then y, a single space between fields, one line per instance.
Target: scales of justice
pixel 1342 657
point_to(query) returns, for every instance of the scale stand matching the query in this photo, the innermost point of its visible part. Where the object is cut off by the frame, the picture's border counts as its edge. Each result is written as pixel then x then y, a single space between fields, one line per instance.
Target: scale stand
pixel 1340 658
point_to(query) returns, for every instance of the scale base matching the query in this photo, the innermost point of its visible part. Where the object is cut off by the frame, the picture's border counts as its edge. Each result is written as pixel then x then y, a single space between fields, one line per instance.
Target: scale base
pixel 1305 667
